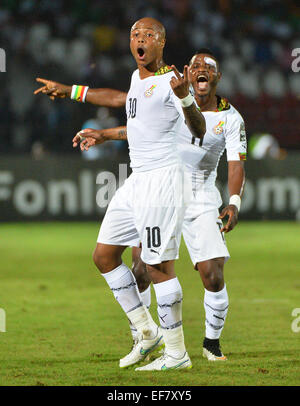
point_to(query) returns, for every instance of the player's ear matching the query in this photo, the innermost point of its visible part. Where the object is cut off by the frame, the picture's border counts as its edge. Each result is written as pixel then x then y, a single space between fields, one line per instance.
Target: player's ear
pixel 162 42
pixel 219 75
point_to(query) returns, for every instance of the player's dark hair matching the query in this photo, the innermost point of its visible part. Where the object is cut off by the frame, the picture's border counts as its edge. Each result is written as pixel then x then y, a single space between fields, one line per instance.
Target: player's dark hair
pixel 205 51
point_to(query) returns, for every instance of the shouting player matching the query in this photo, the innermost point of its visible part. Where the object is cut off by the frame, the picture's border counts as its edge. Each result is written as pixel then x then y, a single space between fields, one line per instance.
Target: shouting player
pixel 157 105
pixel 202 226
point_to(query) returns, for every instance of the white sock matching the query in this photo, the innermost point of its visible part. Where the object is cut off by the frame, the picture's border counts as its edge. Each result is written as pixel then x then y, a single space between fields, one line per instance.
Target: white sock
pixel 143 322
pixel 216 307
pixel 123 285
pixel 169 308
pixel 174 342
pixel 146 299
pixel 146 296
pixel 134 332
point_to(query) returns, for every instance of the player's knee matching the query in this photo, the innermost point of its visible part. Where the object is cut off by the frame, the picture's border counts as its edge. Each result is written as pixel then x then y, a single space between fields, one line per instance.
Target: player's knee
pixel 98 258
pixel 211 273
pixel 215 282
pixel 103 259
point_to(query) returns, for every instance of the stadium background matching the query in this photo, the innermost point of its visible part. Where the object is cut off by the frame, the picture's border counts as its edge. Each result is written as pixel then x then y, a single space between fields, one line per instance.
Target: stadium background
pixel 56 325
pixel 86 42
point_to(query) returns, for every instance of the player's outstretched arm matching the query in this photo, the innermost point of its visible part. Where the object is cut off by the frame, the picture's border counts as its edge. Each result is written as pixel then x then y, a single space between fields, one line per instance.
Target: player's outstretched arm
pixel 100 97
pixel 236 181
pixel 106 97
pixel 89 137
pixel 193 117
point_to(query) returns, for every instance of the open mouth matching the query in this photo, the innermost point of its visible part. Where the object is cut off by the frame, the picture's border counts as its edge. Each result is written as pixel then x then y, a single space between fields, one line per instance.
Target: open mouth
pixel 141 52
pixel 202 79
pixel 202 82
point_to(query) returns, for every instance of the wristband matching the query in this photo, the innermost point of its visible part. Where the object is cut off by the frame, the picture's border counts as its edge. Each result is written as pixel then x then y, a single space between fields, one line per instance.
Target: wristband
pixel 79 93
pixel 236 201
pixel 187 101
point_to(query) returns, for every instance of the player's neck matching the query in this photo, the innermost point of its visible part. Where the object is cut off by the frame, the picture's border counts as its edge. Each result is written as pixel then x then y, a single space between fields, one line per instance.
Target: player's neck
pixel 151 69
pixel 207 102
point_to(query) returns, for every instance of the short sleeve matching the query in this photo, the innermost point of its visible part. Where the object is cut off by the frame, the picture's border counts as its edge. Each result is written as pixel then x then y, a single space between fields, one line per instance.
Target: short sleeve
pixel 176 103
pixel 235 139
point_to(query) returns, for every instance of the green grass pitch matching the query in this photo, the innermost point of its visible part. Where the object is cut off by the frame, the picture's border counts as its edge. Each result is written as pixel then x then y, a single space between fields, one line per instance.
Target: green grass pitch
pixel 63 326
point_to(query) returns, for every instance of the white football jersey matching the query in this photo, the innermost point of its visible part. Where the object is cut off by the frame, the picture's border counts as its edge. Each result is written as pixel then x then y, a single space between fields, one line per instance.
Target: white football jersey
pixel 225 129
pixel 154 116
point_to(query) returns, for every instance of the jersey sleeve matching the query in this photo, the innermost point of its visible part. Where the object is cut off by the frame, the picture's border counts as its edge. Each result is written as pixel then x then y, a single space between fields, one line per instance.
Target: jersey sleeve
pixel 176 102
pixel 235 139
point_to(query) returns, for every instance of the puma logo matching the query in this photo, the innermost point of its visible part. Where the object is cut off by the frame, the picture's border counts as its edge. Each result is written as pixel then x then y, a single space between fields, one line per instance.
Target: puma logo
pixel 156 252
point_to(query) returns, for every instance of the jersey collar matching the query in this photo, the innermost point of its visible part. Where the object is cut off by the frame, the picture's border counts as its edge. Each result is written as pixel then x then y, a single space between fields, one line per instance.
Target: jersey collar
pixel 164 69
pixel 222 104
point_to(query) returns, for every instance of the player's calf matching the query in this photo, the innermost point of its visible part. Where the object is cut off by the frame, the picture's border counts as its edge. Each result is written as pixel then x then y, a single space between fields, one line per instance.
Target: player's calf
pixel 211 273
pixel 139 270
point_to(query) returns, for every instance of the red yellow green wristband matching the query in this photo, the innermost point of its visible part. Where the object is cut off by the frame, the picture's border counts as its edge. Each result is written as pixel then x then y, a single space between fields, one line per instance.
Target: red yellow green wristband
pixel 79 93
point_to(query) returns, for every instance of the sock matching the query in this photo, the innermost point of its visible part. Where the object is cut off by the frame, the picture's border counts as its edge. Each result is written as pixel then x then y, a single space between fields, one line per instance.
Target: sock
pixel 216 307
pixel 146 296
pixel 169 309
pixel 123 285
pixel 134 332
pixel 143 322
pixel 146 299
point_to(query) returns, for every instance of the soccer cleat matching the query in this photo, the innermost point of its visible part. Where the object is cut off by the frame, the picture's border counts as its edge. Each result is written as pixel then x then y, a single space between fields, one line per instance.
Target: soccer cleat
pixel 212 350
pixel 166 362
pixel 141 348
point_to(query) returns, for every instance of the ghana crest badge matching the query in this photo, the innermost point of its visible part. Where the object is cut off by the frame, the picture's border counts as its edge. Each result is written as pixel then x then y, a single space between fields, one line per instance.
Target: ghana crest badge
pixel 218 129
pixel 149 92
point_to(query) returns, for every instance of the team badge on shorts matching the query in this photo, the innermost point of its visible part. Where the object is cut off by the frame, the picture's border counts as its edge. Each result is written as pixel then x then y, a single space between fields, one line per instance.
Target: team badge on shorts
pixel 149 92
pixel 218 129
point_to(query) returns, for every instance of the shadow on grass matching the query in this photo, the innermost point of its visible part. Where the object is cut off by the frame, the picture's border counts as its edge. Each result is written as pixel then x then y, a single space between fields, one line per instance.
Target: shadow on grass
pixel 91 359
pixel 268 355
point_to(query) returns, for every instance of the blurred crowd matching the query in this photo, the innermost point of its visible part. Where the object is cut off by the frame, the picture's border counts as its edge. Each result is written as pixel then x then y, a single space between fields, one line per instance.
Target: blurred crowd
pixel 87 42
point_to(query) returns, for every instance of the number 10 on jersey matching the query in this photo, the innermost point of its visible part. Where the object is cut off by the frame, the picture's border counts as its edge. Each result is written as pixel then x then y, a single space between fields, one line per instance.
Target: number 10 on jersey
pixel 132 108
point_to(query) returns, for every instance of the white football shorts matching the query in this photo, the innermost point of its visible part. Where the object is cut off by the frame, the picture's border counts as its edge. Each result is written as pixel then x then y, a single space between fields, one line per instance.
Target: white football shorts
pixel 201 228
pixel 149 209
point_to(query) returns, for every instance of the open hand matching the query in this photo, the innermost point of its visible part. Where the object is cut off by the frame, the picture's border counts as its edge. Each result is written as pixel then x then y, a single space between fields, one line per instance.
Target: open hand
pixel 88 138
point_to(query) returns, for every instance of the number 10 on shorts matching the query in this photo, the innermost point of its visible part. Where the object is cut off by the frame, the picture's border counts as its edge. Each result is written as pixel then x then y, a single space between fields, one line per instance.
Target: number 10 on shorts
pixel 153 237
